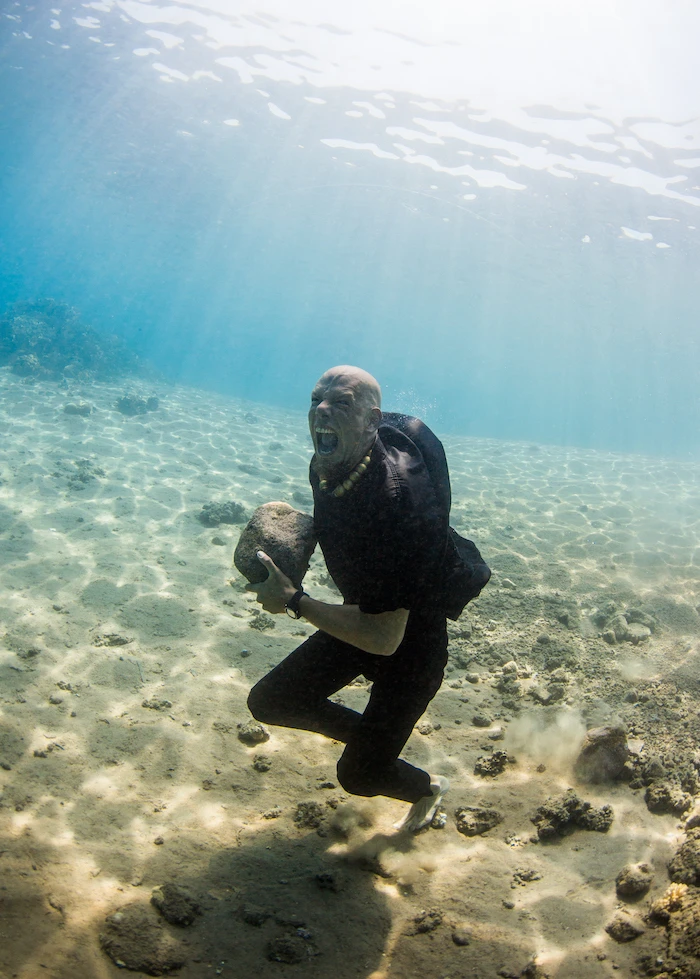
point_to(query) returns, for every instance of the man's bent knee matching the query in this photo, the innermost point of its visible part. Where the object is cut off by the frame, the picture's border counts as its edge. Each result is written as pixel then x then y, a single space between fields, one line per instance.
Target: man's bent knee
pixel 262 703
pixel 357 778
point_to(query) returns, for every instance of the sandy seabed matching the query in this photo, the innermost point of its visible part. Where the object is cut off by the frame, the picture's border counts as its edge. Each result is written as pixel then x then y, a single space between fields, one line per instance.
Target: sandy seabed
pixel 128 646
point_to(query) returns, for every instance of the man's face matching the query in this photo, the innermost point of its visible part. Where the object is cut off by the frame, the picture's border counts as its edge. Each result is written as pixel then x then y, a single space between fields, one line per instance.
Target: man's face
pixel 342 422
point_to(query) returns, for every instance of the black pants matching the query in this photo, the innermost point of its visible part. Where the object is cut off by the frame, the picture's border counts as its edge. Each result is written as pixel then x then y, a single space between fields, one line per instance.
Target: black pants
pixel 295 694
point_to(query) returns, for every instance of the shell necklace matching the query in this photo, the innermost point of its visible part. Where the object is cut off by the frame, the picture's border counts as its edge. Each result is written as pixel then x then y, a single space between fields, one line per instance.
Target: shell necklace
pixel 348 483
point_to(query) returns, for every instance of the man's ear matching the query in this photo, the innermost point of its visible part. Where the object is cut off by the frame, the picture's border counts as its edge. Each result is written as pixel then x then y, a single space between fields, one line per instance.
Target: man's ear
pixel 374 420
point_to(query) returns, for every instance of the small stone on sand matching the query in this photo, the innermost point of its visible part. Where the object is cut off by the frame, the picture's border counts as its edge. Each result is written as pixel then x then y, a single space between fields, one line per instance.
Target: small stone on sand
pixel 252 733
pixel 634 880
pixel 476 820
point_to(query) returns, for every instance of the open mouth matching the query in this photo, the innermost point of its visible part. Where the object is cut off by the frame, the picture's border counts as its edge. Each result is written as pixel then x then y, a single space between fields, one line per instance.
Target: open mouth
pixel 326 441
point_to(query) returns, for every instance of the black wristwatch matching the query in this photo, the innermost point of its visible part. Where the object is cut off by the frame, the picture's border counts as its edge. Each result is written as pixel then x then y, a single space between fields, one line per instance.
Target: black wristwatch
pixel 292 606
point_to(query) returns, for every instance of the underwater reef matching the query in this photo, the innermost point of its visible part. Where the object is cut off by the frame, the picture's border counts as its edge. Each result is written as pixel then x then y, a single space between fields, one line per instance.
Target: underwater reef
pixel 47 340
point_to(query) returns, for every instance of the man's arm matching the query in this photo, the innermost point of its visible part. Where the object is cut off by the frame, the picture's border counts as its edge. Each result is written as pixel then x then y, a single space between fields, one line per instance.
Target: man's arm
pixel 380 634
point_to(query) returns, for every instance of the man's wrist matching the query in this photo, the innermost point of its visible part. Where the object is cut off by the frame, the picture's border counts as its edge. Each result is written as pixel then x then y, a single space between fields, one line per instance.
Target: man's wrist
pixel 292 605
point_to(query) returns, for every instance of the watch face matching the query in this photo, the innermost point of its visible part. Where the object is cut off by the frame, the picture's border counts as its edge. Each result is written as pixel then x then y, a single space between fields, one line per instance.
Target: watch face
pixel 291 613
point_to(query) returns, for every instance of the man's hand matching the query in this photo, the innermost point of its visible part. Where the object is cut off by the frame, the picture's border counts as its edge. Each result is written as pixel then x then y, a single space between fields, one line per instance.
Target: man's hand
pixel 273 593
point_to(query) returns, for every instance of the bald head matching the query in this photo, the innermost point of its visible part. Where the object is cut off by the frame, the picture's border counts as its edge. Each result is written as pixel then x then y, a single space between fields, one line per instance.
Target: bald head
pixel 366 387
pixel 343 419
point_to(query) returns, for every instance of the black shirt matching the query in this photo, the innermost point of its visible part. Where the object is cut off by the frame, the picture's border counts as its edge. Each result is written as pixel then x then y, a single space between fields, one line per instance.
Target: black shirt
pixel 384 541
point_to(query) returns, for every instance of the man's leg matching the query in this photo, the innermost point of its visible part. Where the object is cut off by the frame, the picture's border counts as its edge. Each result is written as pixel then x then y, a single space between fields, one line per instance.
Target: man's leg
pixel 402 689
pixel 295 693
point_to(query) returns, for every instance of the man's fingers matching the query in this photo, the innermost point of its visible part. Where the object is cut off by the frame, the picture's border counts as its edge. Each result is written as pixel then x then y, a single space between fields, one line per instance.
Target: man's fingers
pixel 266 560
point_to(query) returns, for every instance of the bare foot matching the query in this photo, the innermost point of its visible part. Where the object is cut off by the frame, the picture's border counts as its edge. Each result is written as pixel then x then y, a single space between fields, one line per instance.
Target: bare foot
pixel 421 813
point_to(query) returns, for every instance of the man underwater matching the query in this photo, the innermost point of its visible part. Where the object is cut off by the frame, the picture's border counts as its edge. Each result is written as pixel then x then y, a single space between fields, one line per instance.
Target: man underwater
pixel 383 528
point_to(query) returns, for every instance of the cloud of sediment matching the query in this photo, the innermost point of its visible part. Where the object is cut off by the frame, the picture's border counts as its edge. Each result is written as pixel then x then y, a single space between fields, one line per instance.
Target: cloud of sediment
pixel 551 739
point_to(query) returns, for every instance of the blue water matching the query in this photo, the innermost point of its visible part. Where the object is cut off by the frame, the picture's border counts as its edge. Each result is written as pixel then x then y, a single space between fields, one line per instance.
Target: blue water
pixel 517 269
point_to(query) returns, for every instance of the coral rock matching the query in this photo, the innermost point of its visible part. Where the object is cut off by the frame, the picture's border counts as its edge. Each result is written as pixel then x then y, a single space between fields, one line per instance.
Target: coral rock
pixel 624 927
pixel 473 820
pixel 557 817
pixel 252 733
pixel 685 866
pixel 424 922
pixel 135 938
pixel 133 404
pixel 212 514
pixel 662 797
pixel 634 880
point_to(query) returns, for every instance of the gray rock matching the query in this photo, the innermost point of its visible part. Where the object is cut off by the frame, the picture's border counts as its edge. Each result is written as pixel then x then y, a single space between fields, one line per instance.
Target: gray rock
pixel 603 755
pixel 624 927
pixel 481 720
pixel 636 632
pixel 637 615
pixel 252 733
pixel 634 880
pixel 285 534
pixel 474 820
pixel 619 626
pixel 461 933
pixel 213 514
pixel 175 904
pixel 134 938
pixel 628 628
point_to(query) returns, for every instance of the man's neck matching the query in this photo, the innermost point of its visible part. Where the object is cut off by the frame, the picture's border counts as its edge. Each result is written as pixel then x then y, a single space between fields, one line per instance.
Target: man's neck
pixel 337 474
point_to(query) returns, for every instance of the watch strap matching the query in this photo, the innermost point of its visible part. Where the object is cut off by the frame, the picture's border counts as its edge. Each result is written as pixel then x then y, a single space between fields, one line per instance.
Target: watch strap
pixel 292 607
